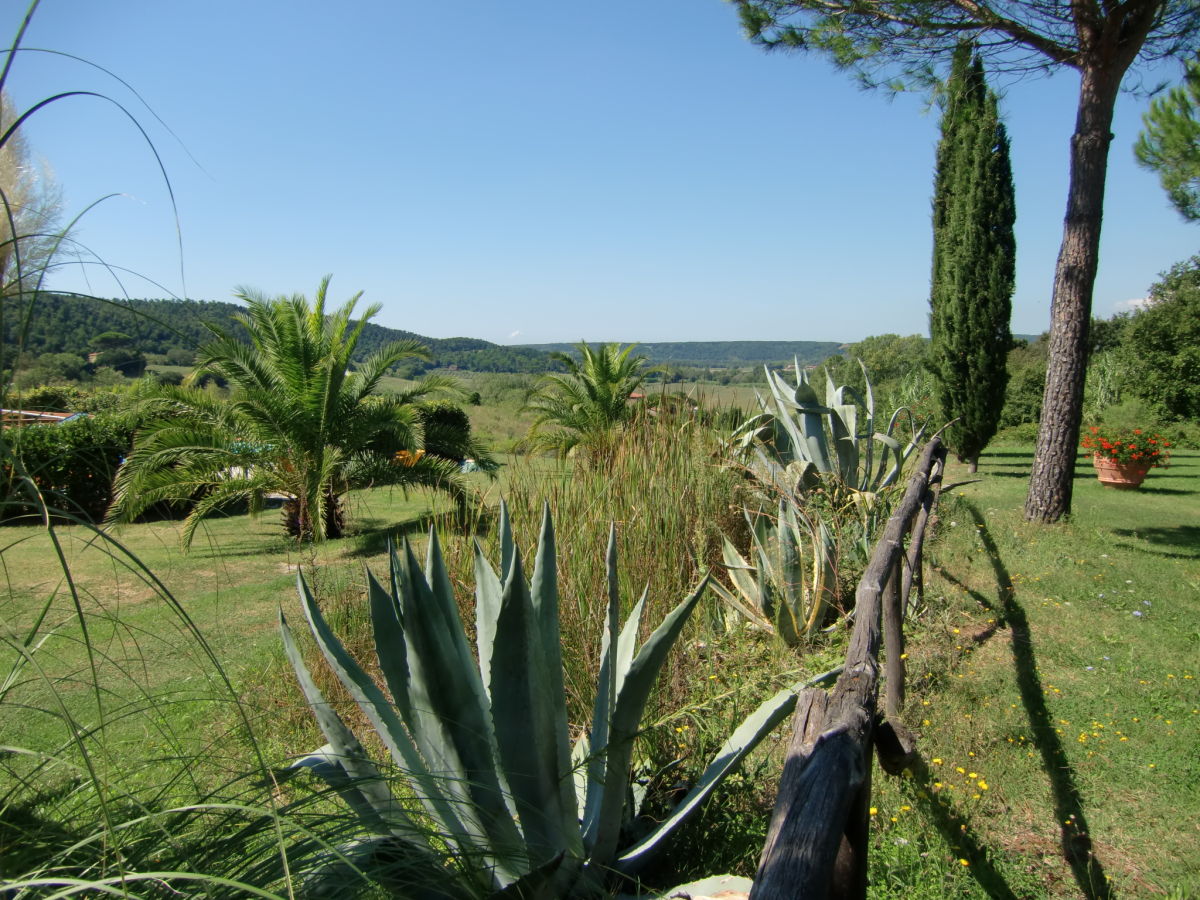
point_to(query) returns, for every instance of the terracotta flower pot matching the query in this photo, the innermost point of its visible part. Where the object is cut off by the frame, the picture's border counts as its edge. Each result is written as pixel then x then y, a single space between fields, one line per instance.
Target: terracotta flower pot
pixel 1122 476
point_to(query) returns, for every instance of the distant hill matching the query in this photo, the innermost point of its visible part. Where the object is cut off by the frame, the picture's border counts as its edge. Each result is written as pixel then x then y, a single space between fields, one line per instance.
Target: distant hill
pixel 724 354
pixel 66 323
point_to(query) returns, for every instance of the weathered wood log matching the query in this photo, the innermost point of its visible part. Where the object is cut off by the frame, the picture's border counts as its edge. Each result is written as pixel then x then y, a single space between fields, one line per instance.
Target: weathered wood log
pixel 817 841
pixel 893 643
pixel 916 545
pixel 896 746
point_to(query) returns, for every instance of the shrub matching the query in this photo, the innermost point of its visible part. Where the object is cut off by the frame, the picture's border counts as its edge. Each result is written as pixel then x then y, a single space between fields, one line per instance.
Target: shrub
pixel 72 465
pixel 1161 344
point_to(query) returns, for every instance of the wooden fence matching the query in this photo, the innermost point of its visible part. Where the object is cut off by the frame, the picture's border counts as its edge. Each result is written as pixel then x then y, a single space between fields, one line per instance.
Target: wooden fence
pixel 817 844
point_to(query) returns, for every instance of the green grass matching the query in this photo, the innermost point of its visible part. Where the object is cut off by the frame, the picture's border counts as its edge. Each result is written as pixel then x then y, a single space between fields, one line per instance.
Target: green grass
pixel 240 571
pixel 1059 665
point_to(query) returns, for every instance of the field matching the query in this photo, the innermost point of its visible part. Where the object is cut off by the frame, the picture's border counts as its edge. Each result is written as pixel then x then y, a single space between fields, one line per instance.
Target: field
pixel 1053 668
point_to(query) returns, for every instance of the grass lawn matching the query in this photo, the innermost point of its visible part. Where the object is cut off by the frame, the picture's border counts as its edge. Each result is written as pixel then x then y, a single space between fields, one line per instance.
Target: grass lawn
pixel 161 697
pixel 1056 696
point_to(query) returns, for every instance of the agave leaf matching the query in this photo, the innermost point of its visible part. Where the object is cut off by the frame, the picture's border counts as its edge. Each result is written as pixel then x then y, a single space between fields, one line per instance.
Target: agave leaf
pixel 869 405
pixel 810 411
pixel 740 574
pixel 524 718
pixel 386 721
pixel 579 767
pixel 745 609
pixel 789 614
pixel 544 590
pixel 627 642
pixel 797 445
pixel 627 715
pixel 761 593
pixel 824 578
pixel 843 422
pixel 606 701
pixel 390 645
pixel 451 719
pixel 543 883
pixel 342 763
pixel 744 739
pixel 508 547
pixel 488 593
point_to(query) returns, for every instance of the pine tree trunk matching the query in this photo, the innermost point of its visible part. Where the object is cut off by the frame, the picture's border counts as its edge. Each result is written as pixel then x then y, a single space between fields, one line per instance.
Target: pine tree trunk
pixel 1070 313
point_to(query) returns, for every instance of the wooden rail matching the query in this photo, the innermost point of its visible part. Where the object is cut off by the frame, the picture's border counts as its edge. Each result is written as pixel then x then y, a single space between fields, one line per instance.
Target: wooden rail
pixel 816 846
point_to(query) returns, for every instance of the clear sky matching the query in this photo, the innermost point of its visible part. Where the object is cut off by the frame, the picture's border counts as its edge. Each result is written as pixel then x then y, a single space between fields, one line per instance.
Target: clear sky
pixel 536 171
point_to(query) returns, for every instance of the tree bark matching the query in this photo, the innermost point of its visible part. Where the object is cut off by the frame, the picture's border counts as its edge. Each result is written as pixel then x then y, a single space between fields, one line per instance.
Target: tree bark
pixel 1050 483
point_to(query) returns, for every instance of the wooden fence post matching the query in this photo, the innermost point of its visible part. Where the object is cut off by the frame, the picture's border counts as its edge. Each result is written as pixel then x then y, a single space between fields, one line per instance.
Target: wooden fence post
pixel 817 842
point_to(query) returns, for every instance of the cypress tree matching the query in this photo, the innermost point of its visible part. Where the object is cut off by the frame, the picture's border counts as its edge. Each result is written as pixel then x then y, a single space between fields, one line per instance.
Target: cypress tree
pixel 974 259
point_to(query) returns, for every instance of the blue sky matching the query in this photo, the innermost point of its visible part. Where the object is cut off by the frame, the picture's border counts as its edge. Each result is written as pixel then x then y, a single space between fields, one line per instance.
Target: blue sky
pixel 537 171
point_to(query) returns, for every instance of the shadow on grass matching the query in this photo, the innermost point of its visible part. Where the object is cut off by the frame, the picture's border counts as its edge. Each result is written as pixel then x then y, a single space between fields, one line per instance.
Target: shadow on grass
pixel 1068 802
pixel 374 534
pixel 1079 474
pixel 958 835
pixel 1186 538
pixel 373 538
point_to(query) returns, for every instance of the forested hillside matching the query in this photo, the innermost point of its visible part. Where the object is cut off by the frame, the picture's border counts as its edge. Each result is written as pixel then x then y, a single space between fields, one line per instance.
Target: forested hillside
pixel 68 324
pixel 731 354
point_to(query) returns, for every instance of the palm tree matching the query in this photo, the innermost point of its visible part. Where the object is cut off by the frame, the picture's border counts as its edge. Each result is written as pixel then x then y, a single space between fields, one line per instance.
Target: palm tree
pixel 297 423
pixel 584 409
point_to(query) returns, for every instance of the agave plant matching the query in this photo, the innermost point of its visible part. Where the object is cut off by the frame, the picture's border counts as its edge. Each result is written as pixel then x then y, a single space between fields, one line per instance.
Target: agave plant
pixel 781 591
pixel 799 442
pixel 482 739
pixel 818 460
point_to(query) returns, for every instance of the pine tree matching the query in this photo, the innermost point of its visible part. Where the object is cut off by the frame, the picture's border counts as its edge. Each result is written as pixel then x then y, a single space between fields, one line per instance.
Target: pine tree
pixel 1170 143
pixel 973 259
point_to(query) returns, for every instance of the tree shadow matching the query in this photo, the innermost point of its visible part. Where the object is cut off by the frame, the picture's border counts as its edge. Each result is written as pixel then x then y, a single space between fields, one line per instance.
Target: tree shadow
pixel 1074 833
pixel 1164 490
pixel 374 535
pixel 958 835
pixel 1184 537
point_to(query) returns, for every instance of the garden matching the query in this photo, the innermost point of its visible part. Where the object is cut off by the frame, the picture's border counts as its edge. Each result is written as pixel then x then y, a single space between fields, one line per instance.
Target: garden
pixel 295 606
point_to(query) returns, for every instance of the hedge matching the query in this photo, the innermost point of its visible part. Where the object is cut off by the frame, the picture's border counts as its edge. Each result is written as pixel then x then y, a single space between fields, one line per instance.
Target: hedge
pixel 72 464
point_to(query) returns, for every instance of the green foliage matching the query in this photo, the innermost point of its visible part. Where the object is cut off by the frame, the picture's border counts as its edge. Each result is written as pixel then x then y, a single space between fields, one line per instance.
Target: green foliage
pixel 298 423
pixel 446 431
pixel 889 358
pixel 815 459
pixel 585 408
pixel 52 398
pixel 974 259
pixel 110 340
pixel 776 591
pixel 1026 383
pixel 1161 344
pixel 71 466
pixel 1170 143
pixel 129 363
pixel 799 443
pixel 482 738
